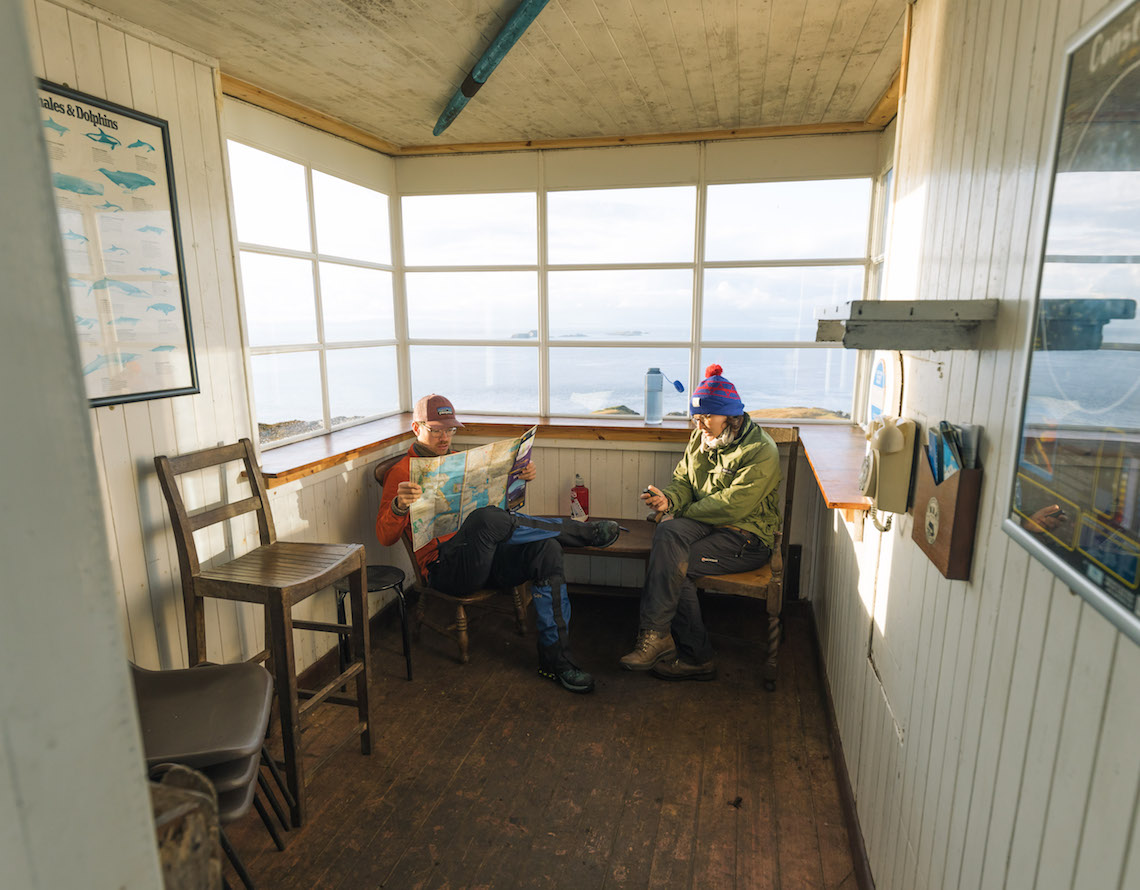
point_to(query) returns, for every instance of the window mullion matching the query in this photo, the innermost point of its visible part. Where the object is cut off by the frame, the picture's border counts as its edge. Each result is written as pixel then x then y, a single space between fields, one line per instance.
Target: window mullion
pixel 695 370
pixel 316 268
pixel 543 295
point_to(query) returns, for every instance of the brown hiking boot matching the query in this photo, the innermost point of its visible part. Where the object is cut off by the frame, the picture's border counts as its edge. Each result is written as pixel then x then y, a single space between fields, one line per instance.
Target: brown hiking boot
pixel 675 669
pixel 652 646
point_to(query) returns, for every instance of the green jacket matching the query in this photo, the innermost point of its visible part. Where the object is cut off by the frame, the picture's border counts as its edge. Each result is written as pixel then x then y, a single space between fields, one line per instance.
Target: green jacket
pixel 736 485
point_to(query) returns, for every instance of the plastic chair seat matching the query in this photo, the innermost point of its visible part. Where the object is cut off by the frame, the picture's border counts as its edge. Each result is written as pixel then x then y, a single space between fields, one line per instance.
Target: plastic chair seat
pixel 205 715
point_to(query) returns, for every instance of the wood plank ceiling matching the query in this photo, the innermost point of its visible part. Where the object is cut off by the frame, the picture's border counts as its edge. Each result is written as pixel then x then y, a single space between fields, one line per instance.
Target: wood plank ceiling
pixel 585 72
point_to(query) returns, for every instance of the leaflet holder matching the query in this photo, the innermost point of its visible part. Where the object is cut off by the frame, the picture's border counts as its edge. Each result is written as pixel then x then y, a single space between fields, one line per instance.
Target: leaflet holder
pixel 946 518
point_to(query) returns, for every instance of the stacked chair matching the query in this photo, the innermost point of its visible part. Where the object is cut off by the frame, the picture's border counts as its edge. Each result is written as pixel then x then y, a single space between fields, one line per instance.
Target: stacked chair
pixel 213 718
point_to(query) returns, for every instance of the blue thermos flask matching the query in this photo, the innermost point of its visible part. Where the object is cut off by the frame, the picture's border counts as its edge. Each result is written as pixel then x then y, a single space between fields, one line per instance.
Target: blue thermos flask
pixel 654 382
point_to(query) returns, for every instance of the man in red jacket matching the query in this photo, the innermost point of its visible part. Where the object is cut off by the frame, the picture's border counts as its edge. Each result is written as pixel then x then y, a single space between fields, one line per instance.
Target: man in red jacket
pixel 493 548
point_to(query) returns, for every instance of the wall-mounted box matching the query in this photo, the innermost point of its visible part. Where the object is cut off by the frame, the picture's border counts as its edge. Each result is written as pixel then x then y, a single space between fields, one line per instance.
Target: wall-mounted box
pixel 906 324
pixel 946 518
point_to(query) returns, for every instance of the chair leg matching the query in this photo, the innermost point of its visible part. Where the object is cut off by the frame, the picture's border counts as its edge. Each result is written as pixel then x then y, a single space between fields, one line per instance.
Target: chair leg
pixel 421 608
pixel 268 823
pixel 281 633
pixel 234 860
pixel 344 651
pixel 273 771
pixel 771 669
pixel 461 632
pixel 402 605
pixel 358 586
pixel 273 802
pixel 520 610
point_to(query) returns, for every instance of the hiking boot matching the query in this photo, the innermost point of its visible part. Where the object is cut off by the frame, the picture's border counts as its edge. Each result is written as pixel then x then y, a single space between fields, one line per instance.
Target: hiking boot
pixel 555 663
pixel 570 676
pixel 596 533
pixel 652 647
pixel 604 533
pixel 675 669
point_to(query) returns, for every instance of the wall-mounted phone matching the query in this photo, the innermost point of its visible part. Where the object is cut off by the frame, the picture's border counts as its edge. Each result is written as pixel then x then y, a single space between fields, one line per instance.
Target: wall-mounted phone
pixel 889 463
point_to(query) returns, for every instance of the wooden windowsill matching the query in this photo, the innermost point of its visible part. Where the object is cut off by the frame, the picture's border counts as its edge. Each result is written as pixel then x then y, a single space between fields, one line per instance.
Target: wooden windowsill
pixel 835 452
pixel 300 459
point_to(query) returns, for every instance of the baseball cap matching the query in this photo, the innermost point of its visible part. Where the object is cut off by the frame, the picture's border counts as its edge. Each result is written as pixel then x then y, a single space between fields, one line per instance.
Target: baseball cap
pixel 436 409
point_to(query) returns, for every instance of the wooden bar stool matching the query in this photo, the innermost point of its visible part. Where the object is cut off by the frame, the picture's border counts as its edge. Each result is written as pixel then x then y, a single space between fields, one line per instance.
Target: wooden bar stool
pixel 277 575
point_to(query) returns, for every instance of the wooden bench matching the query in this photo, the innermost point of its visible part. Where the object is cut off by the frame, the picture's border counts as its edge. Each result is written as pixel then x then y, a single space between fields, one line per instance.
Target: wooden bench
pixel 765 583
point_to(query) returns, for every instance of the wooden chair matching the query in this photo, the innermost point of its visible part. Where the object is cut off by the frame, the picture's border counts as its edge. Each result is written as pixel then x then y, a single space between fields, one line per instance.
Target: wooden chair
pixel 457 630
pixel 277 575
pixel 767 582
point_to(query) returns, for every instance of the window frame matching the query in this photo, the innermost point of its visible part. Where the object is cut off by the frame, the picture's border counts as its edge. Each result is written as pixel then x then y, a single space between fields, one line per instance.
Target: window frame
pixel 314 256
pixel 281 144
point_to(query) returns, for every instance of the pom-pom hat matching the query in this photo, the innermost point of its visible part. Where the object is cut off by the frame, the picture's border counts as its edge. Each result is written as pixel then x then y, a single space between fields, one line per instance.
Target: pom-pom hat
pixel 716 395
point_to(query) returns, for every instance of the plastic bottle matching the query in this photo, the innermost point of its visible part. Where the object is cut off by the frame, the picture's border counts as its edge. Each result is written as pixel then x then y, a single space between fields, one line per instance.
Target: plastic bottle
pixel 579 500
pixel 654 383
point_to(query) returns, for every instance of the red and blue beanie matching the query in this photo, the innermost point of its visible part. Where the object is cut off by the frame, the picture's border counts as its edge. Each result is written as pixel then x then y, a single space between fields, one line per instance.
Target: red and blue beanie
pixel 716 395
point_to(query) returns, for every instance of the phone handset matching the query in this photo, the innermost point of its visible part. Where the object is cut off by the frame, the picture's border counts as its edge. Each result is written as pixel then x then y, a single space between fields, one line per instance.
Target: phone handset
pixel 888 465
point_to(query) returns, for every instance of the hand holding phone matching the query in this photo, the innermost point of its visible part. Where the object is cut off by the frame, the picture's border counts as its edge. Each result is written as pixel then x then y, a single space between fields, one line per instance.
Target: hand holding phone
pixel 654 499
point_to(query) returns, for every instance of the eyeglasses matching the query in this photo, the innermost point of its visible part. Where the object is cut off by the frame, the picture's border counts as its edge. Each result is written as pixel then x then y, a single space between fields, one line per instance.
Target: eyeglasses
pixel 442 432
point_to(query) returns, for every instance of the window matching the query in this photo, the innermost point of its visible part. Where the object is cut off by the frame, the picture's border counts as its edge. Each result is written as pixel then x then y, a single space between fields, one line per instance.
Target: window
pixel 552 301
pixel 471 280
pixel 882 234
pixel 316 279
pixel 774 253
pixel 620 274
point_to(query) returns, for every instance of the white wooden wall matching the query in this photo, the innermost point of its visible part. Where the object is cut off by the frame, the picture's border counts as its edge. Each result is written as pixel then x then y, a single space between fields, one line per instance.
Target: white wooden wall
pixel 70 750
pixel 989 726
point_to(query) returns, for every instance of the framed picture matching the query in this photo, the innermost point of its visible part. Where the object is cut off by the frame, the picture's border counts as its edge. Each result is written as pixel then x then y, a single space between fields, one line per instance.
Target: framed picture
pixel 1075 503
pixel 113 184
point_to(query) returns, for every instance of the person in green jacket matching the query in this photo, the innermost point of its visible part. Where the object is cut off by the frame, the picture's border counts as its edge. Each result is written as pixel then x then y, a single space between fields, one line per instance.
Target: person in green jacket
pixel 723 511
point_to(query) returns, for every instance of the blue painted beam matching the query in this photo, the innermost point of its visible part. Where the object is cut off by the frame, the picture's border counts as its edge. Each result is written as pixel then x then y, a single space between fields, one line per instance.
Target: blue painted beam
pixel 519 21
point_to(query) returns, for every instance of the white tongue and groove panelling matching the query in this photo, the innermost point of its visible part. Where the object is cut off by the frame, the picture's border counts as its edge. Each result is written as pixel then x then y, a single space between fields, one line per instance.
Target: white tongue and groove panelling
pixel 980 720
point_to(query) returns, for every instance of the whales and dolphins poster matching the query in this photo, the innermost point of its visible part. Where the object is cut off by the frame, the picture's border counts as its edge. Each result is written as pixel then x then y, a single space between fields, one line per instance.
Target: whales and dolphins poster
pixel 118 223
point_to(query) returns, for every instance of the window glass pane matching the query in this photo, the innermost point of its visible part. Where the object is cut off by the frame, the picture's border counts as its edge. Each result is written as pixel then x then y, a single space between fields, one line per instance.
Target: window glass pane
pixel 788 220
pixel 497 379
pixel 601 380
pixel 470 230
pixel 634 304
pixel 789 382
pixel 472 305
pixel 643 225
pixel 287 391
pixel 352 221
pixel 357 303
pixel 362 383
pixel 280 307
pixel 269 199
pixel 774 303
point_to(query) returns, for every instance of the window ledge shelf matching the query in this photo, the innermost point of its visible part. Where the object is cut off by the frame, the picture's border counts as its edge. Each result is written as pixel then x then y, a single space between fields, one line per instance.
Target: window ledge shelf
pixel 300 459
pixel 834 451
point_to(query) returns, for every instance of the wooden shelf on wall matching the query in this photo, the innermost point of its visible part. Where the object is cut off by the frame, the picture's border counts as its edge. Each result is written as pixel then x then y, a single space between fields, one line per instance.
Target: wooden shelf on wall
pixel 906 324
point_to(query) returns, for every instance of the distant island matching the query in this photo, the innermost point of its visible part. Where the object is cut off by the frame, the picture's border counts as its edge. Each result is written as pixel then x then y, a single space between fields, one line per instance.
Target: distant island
pixel 532 334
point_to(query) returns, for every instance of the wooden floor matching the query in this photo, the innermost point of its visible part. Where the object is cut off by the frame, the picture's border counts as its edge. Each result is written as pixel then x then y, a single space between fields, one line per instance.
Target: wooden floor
pixel 487 776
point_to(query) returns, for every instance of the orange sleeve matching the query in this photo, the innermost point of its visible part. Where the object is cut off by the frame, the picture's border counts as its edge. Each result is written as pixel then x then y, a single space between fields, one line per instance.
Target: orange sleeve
pixel 389 526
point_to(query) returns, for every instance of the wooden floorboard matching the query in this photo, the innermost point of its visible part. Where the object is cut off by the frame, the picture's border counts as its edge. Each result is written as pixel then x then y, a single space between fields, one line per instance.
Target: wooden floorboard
pixel 485 776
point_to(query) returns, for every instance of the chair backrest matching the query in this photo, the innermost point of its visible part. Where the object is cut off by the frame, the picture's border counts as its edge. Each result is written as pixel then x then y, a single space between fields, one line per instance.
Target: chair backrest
pixel 790 436
pixel 185 523
pixel 380 472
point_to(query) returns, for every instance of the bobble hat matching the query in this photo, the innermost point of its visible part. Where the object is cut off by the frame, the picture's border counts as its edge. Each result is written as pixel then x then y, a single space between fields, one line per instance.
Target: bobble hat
pixel 716 395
